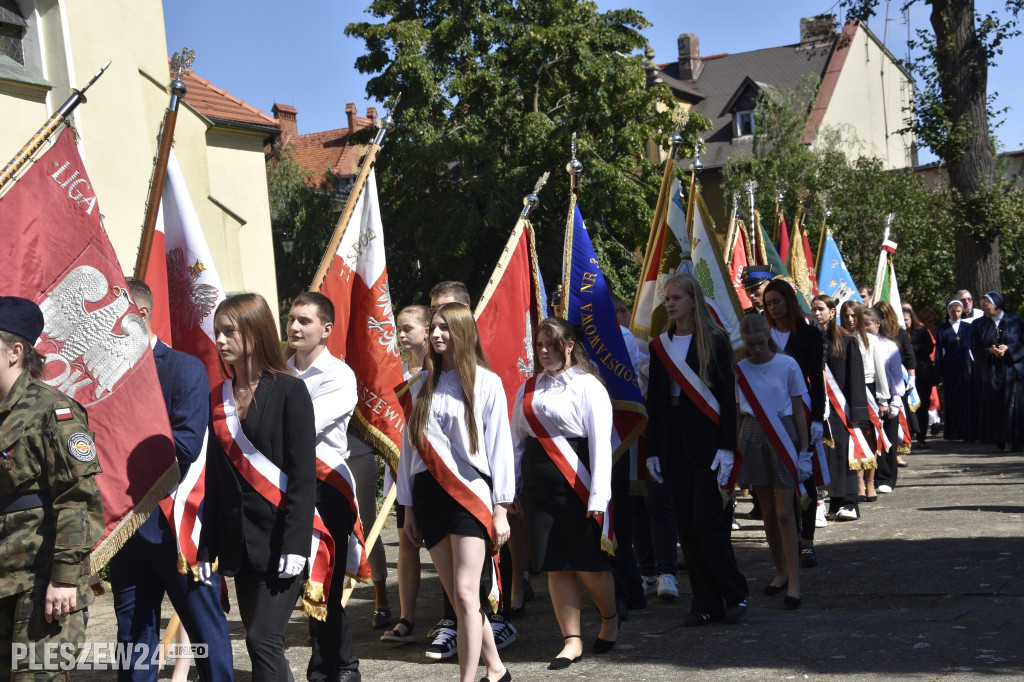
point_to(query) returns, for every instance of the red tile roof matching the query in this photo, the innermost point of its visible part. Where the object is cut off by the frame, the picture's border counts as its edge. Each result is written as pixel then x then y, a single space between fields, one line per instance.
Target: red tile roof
pixel 329 150
pixel 214 103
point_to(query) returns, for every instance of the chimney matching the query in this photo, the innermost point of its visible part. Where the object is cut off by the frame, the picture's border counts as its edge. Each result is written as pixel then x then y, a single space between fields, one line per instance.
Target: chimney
pixel 371 113
pixel 690 64
pixel 286 117
pixel 350 111
pixel 814 29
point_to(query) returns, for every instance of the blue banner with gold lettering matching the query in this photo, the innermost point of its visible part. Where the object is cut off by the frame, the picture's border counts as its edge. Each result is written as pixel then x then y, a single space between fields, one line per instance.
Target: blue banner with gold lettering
pixel 589 308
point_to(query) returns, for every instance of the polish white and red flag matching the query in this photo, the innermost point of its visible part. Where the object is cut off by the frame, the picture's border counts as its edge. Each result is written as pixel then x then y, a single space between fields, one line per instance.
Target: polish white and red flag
pixel 186 292
pixel 736 265
pixel 366 336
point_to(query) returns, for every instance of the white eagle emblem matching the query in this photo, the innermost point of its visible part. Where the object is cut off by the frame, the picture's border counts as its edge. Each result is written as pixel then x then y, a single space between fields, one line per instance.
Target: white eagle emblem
pixel 385 327
pixel 192 301
pixel 525 364
pixel 88 337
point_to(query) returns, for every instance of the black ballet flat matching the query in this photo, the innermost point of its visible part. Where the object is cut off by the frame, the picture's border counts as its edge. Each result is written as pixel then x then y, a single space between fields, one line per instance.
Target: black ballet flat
pixel 870 498
pixel 791 602
pixel 772 590
pixel 561 662
pixel 507 677
pixel 603 646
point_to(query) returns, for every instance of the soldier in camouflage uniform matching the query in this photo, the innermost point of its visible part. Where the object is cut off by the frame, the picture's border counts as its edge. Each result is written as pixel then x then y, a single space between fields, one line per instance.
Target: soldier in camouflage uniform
pixel 50 509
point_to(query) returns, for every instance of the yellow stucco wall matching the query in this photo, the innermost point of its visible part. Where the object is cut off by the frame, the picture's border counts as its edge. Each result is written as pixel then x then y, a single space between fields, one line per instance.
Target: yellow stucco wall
pixel 119 126
pixel 869 98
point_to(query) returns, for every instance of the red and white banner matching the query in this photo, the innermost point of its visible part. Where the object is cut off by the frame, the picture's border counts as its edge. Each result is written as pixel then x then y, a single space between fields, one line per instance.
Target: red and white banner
pixel 858 451
pixel 510 310
pixel 334 471
pixel 186 292
pixel 736 265
pixel 881 439
pixel 366 337
pixel 97 352
pixel 272 484
pixel 564 457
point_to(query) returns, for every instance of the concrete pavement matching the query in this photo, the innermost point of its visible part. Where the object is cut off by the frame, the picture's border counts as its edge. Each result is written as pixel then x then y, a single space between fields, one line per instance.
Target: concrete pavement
pixel 928 584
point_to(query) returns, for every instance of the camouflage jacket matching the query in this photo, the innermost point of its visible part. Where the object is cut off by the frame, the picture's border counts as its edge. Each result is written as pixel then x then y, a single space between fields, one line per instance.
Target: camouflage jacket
pixel 46 448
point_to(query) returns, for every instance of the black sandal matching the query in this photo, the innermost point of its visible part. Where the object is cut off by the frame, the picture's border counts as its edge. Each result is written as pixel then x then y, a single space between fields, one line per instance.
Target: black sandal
pixel 561 662
pixel 393 635
pixel 603 646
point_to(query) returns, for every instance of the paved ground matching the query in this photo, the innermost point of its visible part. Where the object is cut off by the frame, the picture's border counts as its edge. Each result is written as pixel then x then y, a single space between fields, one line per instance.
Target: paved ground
pixel 929 584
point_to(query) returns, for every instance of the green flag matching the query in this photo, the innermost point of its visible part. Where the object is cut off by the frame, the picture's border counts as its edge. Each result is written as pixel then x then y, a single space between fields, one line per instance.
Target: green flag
pixel 779 268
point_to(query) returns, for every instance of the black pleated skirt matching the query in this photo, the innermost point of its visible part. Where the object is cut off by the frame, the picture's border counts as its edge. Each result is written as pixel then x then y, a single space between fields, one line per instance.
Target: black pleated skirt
pixel 439 514
pixel 562 537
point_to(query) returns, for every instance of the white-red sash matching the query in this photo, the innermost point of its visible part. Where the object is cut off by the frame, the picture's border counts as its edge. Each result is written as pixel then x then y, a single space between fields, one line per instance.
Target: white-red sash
pixel 822 477
pixel 876 421
pixel 859 452
pixel 272 484
pixel 903 435
pixel 332 469
pixel 181 509
pixel 567 462
pixel 770 424
pixel 688 381
pixel 460 480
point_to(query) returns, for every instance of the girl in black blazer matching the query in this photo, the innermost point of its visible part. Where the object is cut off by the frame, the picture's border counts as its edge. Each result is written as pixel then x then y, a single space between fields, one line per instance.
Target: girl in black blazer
pixel 804 343
pixel 262 545
pixel 689 447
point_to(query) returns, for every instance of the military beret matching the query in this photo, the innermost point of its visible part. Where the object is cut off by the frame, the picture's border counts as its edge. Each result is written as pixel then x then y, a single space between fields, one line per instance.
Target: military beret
pixel 21 316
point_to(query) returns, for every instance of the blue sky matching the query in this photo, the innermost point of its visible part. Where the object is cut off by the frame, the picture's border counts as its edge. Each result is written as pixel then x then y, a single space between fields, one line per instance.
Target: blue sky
pixel 296 52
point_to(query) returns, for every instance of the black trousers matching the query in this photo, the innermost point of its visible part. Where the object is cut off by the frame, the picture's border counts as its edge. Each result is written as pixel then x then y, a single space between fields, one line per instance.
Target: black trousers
pixel 625 573
pixel 655 532
pixel 265 603
pixel 332 638
pixel 887 466
pixel 705 532
pixel 806 515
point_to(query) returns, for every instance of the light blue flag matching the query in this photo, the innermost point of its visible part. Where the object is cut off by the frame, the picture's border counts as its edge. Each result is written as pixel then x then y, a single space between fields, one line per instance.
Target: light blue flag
pixel 589 308
pixel 834 278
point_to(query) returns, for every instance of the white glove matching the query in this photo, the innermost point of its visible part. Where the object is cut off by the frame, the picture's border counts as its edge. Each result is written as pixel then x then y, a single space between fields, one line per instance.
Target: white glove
pixel 894 406
pixel 723 463
pixel 290 565
pixel 817 432
pixel 803 467
pixel 654 468
pixel 912 382
pixel 205 571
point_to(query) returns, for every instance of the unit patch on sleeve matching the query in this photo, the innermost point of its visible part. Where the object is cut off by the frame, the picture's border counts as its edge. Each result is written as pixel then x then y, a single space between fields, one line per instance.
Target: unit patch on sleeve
pixel 82 447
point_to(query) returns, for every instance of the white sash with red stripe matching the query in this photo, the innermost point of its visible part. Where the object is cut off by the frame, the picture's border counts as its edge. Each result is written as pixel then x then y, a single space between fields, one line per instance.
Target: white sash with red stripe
pixel 568 463
pixel 876 421
pixel 859 452
pixel 332 469
pixel 752 385
pixel 688 381
pixel 903 434
pixel 460 480
pixel 181 509
pixel 272 484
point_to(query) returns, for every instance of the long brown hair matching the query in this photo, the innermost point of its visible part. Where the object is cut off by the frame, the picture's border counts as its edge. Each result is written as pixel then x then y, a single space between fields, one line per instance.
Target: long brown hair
pixel 834 332
pixel 858 311
pixel 788 294
pixel 890 326
pixel 468 355
pixel 704 326
pixel 257 330
pixel 563 333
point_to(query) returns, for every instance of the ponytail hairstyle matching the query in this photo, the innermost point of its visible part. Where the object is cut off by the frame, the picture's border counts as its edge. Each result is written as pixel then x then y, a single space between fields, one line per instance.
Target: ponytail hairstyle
pixel 858 311
pixel 467 354
pixel 833 331
pixel 704 326
pixel 754 324
pixel 875 316
pixel 420 313
pixel 563 333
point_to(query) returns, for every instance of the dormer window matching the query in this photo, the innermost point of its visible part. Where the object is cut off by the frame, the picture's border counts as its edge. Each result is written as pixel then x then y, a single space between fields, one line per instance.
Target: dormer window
pixel 744 122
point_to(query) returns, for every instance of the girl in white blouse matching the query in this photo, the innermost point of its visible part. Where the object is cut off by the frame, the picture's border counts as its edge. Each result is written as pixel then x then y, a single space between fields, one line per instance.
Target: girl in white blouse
pixel 456 478
pixel 568 524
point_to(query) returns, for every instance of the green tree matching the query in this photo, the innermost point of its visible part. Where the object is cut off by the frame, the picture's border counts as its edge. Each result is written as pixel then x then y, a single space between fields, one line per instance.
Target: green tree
pixel 857 192
pixel 491 92
pixel 952 114
pixel 304 214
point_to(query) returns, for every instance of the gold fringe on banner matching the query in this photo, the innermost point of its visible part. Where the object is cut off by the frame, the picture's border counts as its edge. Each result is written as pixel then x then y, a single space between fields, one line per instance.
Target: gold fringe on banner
pixel 609 546
pixel 313 602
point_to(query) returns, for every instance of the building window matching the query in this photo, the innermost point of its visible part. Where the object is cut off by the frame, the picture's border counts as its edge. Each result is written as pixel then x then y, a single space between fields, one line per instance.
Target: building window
pixel 744 123
pixel 12 30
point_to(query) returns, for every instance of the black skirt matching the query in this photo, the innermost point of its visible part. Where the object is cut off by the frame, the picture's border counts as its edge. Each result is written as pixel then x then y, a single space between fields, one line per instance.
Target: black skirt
pixel 562 537
pixel 439 514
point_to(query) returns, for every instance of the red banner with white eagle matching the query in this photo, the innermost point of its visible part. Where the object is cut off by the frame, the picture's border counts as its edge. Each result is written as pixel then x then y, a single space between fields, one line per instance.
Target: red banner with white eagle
pixel 186 291
pixel 366 337
pixel 55 252
pixel 510 310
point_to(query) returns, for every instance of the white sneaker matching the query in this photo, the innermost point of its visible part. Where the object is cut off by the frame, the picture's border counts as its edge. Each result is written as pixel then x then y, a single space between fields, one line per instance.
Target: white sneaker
pixel 819 516
pixel 504 633
pixel 668 588
pixel 650 585
pixel 847 514
pixel 884 489
pixel 735 524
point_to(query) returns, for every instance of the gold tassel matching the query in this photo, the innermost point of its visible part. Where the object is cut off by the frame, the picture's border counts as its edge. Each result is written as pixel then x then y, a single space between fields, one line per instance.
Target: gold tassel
pixel 830 442
pixel 183 565
pixel 493 601
pixel 313 603
pixel 609 546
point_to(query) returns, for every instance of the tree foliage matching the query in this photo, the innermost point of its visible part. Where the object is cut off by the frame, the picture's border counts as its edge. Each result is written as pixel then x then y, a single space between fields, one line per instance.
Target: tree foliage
pixel 491 92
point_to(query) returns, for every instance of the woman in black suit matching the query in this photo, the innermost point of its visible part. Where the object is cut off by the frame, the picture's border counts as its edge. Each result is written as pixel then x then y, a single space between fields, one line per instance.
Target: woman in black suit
pixel 692 446
pixel 924 370
pixel 804 343
pixel 953 369
pixel 263 545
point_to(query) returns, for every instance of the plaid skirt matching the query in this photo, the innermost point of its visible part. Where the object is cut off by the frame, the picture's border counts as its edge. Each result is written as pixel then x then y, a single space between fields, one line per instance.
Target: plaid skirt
pixel 761 464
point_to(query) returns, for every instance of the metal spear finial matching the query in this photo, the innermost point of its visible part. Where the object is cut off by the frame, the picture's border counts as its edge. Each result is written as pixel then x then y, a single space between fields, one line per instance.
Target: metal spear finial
pixel 889 217
pixel 697 165
pixel 531 200
pixel 387 124
pixel 574 167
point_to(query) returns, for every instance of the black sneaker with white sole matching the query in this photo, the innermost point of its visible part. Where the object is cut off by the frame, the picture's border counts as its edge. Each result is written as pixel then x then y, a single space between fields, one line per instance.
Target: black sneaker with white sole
pixel 445 644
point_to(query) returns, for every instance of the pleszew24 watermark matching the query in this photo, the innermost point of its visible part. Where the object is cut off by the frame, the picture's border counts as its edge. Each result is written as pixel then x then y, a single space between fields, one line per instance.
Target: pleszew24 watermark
pixel 100 655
